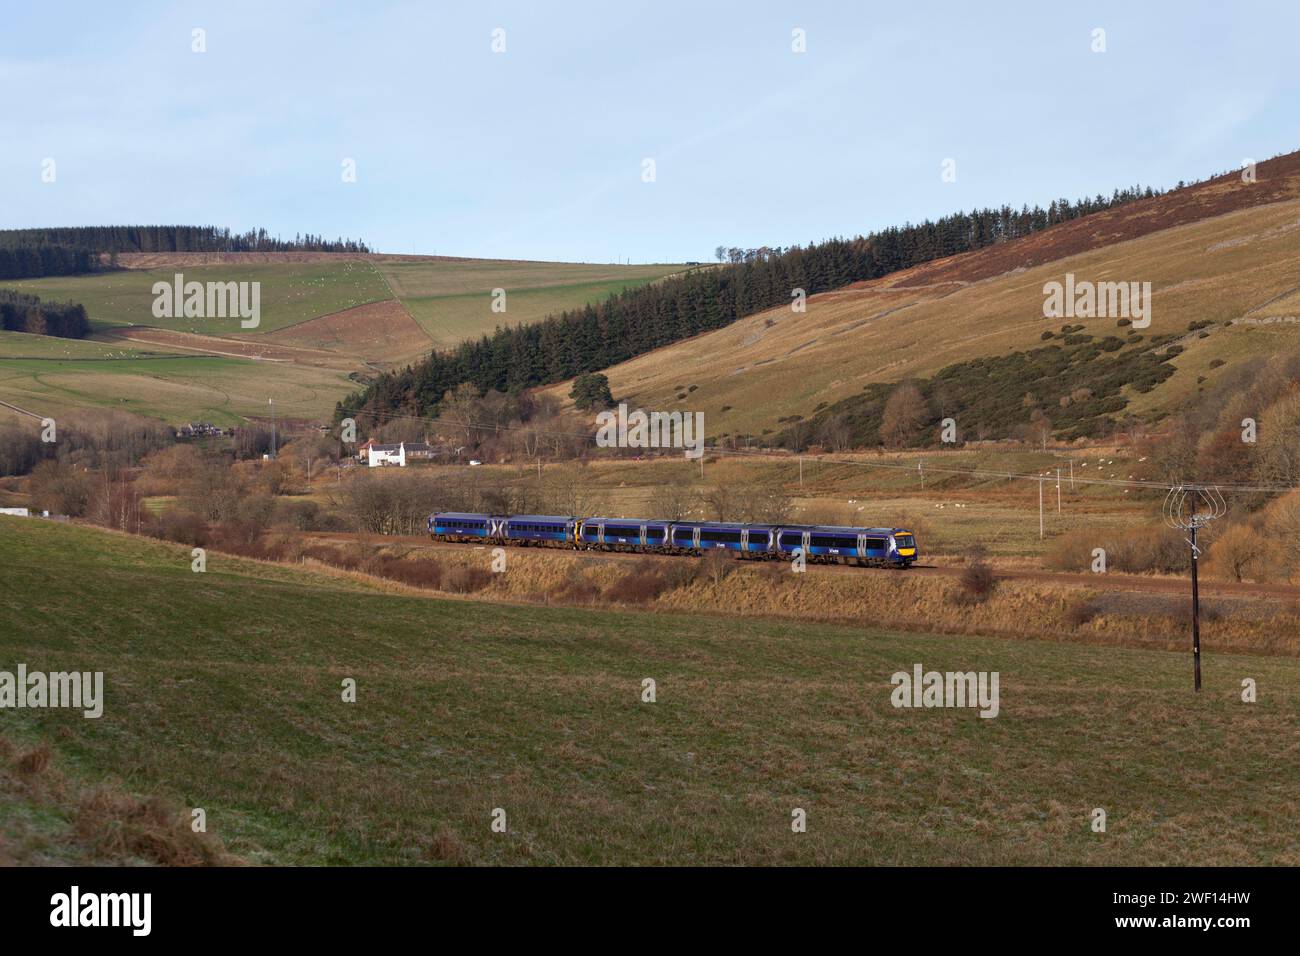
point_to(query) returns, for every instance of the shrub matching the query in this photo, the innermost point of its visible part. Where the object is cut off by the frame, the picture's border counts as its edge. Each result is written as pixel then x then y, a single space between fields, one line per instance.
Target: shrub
pixel 420 572
pixel 35 761
pixel 182 527
pixel 332 556
pixel 299 515
pixel 116 824
pixel 576 591
pixel 641 585
pixel 716 566
pixel 464 579
pixel 1080 612
pixel 976 584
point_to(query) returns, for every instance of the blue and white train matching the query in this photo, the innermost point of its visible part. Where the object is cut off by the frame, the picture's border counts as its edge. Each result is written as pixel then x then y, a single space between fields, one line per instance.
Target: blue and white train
pixel 878 547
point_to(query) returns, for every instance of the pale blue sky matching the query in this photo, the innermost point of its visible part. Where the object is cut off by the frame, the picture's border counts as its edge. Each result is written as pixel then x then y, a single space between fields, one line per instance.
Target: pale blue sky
pixel 537 152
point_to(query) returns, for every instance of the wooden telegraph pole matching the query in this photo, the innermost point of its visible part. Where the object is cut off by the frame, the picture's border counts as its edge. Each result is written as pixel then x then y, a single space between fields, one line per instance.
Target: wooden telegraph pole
pixel 1040 507
pixel 1196 596
pixel 1181 512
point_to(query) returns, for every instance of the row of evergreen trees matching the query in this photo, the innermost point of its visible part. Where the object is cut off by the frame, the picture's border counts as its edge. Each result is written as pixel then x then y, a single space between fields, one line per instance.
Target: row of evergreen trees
pixel 57 251
pixel 30 261
pixel 173 239
pixel 649 317
pixel 27 313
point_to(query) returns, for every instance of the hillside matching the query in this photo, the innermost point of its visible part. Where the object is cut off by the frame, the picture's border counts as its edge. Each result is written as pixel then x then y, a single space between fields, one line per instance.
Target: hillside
pixel 327 320
pixel 451 298
pixel 464 706
pixel 1222 252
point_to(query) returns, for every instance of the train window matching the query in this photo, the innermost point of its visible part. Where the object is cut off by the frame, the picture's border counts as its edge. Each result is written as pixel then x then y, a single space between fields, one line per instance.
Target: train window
pixel 834 541
pixel 654 533
pixel 876 544
pixel 725 537
pixel 905 540
pixel 792 540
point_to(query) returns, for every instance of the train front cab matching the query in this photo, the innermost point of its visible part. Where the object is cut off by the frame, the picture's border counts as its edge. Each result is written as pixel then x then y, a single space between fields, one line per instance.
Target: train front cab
pixel 905 548
pixel 865 547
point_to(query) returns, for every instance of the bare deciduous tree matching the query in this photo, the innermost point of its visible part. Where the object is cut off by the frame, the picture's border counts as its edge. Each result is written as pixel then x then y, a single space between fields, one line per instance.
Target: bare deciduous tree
pixel 905 412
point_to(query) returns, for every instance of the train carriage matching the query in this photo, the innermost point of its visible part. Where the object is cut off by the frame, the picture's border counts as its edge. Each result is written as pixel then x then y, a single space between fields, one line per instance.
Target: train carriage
pixel 552 530
pixel 886 547
pixel 460 526
pixel 623 534
pixel 862 546
pixel 699 536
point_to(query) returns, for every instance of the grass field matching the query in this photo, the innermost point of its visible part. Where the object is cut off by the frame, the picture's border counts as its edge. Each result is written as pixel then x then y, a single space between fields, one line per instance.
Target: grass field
pixel 186 387
pixel 223 692
pixel 1232 268
pixel 335 314
pixel 290 292
pixel 22 345
pixel 452 298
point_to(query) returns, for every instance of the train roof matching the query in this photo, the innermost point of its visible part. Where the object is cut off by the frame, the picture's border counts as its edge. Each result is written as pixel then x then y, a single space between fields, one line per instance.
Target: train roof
pixel 631 520
pixel 838 528
pixel 730 525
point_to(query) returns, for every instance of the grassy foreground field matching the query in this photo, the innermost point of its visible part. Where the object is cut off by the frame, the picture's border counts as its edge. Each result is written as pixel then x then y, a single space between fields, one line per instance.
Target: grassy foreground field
pixel 222 691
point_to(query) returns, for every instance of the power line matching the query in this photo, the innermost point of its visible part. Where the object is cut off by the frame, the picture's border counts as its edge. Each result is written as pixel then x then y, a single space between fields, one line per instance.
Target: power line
pixel 1163 486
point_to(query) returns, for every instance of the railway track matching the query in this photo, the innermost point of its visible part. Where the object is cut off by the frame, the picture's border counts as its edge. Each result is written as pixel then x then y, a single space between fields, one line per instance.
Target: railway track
pixel 1109 581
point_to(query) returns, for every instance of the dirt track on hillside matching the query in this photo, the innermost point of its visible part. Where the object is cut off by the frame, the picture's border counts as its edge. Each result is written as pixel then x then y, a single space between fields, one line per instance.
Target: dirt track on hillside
pixel 236 348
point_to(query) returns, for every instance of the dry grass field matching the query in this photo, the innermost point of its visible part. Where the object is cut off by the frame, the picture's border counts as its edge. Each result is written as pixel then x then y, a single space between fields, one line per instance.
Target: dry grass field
pixel 378 332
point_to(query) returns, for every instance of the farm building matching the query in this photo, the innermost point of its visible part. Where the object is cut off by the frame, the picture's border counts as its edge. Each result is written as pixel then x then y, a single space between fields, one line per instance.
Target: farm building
pixel 376 454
